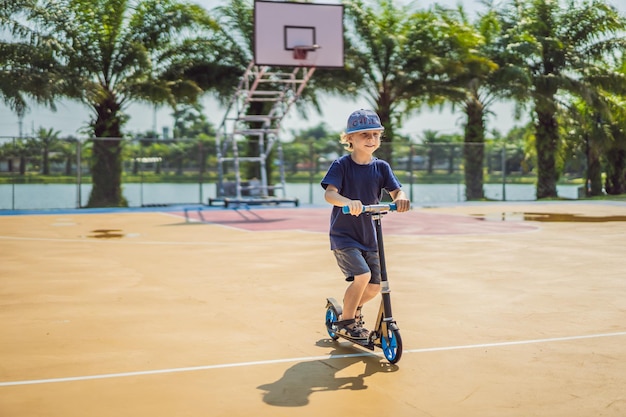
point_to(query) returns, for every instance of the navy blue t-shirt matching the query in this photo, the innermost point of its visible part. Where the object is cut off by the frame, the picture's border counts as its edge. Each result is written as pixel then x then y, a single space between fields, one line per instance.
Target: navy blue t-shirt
pixel 357 182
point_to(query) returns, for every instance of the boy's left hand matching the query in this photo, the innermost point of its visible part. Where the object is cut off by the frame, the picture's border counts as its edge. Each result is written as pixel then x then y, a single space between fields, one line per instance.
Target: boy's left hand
pixel 402 204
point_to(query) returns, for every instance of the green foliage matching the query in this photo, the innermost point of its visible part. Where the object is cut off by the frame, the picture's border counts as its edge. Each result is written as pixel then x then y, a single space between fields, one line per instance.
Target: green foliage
pixel 113 52
pixel 390 49
pixel 563 59
pixel 563 49
pixel 28 70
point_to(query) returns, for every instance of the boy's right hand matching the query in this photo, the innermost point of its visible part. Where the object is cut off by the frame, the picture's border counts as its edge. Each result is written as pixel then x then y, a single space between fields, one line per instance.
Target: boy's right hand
pixel 356 207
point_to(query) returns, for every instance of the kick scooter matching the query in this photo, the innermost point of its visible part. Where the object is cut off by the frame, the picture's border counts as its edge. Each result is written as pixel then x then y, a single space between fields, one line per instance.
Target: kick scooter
pixel 386 334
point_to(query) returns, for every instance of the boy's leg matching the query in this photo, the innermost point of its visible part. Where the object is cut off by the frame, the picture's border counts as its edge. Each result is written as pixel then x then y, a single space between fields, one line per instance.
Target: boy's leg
pixel 354 294
pixel 370 292
pixel 373 287
pixel 353 263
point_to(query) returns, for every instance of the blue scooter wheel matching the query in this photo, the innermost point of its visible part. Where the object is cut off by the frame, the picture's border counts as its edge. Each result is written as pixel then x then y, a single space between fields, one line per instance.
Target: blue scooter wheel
pixel 331 317
pixel 391 344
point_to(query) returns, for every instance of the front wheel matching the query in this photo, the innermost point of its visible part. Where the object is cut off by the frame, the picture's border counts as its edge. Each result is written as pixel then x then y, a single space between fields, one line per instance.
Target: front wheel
pixel 391 344
pixel 331 317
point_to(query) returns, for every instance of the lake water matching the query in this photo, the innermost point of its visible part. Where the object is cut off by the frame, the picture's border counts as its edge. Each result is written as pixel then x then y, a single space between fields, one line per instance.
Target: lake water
pixel 59 196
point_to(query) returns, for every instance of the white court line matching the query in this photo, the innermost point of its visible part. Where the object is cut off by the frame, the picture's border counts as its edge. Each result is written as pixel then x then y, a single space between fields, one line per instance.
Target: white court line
pixel 132 241
pixel 302 359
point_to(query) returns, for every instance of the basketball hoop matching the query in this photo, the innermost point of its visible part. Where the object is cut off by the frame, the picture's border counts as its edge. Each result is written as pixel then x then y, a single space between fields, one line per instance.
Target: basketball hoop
pixel 298 34
pixel 301 52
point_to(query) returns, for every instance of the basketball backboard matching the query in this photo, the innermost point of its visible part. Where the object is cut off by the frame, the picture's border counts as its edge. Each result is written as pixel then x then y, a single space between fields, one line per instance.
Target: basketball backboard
pixel 298 34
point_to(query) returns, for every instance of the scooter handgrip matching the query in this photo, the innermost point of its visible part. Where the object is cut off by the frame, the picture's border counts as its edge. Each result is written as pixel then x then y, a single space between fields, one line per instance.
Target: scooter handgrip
pixel 373 207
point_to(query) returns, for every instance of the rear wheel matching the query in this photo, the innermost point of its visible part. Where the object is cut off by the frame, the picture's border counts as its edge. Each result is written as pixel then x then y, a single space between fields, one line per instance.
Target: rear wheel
pixel 331 318
pixel 391 344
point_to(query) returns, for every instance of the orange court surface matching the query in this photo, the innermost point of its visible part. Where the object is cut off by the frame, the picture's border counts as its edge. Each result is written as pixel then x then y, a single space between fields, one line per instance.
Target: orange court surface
pixel 505 309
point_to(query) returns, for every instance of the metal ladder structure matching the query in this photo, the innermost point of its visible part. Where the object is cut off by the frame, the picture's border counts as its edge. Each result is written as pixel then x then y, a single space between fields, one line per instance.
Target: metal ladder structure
pixel 276 85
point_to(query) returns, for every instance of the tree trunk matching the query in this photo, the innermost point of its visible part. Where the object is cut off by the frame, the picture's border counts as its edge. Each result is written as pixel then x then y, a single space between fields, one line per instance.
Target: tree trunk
pixel 106 160
pixel 474 151
pixel 385 152
pixel 45 161
pixel 431 158
pixel 616 172
pixel 68 166
pixel 546 135
pixel 594 171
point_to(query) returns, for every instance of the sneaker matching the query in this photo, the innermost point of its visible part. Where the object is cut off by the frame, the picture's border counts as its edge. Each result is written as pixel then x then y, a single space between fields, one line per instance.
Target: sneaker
pixel 350 329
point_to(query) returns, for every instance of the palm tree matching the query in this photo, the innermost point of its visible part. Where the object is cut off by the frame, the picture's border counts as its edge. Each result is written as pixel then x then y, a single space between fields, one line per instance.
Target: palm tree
pixel 191 121
pixel 430 139
pixel 25 149
pixel 27 67
pixel 467 73
pixel 47 138
pixel 563 47
pixel 615 182
pixel 123 51
pixel 391 48
pixel 591 134
pixel 68 148
pixel 616 163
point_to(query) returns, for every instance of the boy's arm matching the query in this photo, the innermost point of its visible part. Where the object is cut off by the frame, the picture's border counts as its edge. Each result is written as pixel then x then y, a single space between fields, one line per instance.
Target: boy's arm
pixel 333 197
pixel 400 198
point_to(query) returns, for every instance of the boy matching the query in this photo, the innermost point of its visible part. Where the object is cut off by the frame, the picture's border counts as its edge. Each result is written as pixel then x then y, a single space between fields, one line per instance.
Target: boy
pixel 355 180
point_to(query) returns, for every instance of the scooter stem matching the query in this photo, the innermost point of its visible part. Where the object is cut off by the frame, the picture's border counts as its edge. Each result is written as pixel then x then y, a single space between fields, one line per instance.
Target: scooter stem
pixel 386 298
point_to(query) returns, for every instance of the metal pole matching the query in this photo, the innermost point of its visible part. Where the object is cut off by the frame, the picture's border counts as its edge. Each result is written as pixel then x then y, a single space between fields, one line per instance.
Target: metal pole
pixel 141 177
pixel 311 173
pixel 503 173
pixel 237 173
pixel 265 181
pixel 281 158
pixel 13 179
pixel 411 153
pixel 12 176
pixel 79 198
pixel 200 169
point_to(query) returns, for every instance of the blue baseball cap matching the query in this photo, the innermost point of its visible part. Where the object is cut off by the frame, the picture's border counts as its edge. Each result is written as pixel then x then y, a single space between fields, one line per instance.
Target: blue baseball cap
pixel 363 120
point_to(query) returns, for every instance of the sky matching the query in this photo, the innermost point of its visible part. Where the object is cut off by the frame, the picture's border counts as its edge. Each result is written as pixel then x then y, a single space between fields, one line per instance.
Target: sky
pixel 71 117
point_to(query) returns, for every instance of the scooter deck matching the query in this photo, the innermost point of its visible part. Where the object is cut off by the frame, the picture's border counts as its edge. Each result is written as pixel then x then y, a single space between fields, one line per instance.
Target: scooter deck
pixel 363 343
pixel 369 343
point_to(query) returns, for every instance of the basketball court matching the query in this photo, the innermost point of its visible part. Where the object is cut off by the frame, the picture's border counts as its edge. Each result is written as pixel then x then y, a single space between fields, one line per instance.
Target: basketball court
pixel 504 310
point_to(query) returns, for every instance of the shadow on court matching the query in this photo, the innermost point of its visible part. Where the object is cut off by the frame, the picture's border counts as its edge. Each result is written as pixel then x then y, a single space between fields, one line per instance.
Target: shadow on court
pixel 303 379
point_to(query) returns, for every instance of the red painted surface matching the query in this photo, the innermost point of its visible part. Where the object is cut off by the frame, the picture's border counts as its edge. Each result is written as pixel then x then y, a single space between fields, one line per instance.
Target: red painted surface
pixel 317 220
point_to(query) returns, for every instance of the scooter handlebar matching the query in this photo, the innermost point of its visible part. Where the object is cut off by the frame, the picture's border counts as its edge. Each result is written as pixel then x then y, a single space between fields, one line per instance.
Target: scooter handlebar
pixel 372 208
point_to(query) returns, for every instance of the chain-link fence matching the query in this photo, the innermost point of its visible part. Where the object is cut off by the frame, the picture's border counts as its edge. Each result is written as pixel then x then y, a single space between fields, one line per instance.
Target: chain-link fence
pixel 55 173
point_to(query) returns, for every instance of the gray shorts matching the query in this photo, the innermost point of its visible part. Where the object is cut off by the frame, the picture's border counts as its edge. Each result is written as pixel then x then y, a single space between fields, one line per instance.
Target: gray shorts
pixel 354 261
